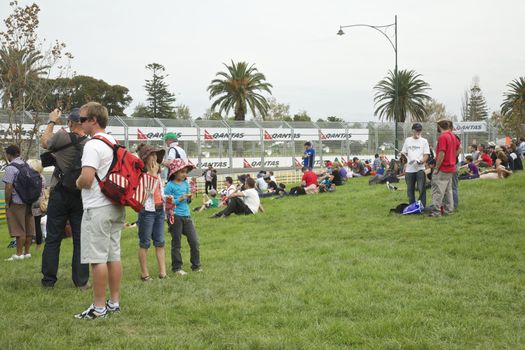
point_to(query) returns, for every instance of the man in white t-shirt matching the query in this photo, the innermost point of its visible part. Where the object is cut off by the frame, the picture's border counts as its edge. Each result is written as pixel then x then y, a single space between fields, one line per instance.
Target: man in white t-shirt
pixel 102 221
pixel 243 202
pixel 416 150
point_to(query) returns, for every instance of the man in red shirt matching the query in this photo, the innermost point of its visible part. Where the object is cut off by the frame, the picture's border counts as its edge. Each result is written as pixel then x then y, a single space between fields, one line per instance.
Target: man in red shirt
pixel 309 181
pixel 446 152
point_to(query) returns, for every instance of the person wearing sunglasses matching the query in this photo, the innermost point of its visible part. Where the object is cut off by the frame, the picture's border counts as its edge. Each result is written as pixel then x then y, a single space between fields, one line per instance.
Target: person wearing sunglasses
pixel 65 202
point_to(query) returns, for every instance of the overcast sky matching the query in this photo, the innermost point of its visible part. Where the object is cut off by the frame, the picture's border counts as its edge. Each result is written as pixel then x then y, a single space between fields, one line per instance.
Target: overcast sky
pixel 294 43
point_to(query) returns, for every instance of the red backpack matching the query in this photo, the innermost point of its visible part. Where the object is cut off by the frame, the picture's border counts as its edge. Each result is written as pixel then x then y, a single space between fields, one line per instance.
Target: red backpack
pixel 126 183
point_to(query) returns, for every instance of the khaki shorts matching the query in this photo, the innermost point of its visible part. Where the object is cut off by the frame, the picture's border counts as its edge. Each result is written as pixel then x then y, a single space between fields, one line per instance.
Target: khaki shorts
pixel 20 220
pixel 100 234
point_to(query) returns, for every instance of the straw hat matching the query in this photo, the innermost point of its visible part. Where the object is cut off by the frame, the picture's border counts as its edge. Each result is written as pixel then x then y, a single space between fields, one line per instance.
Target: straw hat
pixel 145 150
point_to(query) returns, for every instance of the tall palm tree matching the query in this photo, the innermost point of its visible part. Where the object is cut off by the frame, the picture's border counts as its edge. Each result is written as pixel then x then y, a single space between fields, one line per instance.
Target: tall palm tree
pixel 515 98
pixel 410 91
pixel 239 89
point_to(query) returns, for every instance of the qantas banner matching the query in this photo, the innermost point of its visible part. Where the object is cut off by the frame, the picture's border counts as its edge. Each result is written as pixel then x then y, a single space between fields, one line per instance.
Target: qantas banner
pixel 340 134
pixel 236 134
pixel 469 127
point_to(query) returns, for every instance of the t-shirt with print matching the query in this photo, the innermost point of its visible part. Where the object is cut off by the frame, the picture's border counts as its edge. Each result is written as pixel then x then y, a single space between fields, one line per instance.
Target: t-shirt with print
pixel 251 199
pixel 449 144
pixel 65 158
pixel 309 178
pixel 415 149
pixel 97 155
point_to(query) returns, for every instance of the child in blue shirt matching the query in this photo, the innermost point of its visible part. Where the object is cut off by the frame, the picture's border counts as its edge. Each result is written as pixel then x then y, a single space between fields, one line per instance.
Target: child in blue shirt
pixel 180 191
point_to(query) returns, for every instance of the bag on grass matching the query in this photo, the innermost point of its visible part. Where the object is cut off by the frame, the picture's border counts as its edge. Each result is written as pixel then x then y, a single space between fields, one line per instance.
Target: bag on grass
pixel 414 208
pixel 126 183
pixel 399 209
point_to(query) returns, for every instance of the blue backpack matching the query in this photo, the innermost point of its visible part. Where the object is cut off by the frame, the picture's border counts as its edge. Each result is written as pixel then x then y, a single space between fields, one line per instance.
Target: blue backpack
pixel 414 208
pixel 28 183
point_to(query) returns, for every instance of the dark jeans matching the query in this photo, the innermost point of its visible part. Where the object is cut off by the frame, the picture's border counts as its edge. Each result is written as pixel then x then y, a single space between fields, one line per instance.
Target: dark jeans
pixel 63 206
pixel 416 180
pixel 207 186
pixel 237 206
pixel 38 230
pixel 184 226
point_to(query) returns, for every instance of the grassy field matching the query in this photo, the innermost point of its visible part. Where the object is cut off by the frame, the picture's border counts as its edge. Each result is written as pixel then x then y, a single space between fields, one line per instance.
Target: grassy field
pixel 323 272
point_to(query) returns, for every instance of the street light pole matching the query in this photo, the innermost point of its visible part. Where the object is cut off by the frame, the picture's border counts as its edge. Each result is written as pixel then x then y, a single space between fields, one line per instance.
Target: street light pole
pixel 382 30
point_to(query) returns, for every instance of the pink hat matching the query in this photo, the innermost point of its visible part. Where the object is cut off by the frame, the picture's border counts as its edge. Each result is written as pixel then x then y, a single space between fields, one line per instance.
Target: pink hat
pixel 178 164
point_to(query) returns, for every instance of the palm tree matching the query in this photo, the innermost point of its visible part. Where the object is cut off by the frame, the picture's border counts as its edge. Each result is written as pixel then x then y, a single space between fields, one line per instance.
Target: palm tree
pixel 514 98
pixel 238 89
pixel 408 89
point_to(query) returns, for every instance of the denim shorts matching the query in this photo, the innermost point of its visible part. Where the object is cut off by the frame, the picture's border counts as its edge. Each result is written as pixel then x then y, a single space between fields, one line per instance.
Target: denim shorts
pixel 151 227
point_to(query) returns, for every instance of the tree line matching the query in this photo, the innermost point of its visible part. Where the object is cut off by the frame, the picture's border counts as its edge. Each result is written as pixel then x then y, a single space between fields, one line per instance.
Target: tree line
pixel 26 67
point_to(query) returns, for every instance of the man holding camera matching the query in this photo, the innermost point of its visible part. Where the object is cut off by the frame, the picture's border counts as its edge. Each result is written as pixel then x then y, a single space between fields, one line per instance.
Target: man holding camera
pixel 65 202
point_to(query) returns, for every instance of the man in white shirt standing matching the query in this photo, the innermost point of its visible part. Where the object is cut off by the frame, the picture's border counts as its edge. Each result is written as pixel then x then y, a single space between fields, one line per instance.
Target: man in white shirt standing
pixel 174 150
pixel 416 150
pixel 102 221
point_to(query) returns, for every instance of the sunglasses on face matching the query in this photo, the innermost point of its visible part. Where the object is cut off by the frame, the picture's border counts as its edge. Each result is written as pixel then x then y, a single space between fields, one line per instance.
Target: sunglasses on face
pixel 84 119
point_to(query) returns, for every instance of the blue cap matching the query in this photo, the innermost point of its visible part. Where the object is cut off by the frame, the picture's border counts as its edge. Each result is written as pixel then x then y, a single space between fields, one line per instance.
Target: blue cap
pixel 74 115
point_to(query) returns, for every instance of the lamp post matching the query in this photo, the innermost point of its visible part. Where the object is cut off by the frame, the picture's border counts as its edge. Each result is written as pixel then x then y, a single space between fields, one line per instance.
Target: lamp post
pixel 382 30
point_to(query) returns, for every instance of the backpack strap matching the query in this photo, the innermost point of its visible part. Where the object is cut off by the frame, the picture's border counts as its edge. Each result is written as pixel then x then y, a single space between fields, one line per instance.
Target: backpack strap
pixel 112 146
pixel 177 154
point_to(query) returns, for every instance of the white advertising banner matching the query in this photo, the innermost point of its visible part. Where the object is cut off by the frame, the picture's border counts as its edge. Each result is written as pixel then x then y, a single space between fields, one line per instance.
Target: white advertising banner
pixel 237 134
pixel 340 134
pixel 468 127
pixel 279 134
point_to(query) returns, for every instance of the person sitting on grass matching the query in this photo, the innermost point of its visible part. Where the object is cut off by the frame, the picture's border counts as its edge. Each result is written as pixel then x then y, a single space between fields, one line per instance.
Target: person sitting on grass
pixel 517 163
pixel 498 173
pixel 208 202
pixel 472 169
pixel 326 184
pixel 337 178
pixel 342 172
pixel 273 189
pixel 308 183
pixel 484 160
pixel 358 168
pixel 242 202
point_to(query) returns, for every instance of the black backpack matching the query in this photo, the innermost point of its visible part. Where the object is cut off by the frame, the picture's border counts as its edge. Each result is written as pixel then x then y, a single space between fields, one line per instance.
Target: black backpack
pixel 28 183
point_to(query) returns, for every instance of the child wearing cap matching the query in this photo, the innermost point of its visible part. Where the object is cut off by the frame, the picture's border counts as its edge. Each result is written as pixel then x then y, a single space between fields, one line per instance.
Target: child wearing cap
pixel 178 189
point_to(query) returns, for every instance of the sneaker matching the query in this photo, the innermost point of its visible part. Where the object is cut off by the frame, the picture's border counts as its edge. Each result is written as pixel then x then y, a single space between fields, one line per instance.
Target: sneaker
pixel 27 256
pixel 196 270
pixel 91 314
pixel 181 273
pixel 111 309
pixel 15 257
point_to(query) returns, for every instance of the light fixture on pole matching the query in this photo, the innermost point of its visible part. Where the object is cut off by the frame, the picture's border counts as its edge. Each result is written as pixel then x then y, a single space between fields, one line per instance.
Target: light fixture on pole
pixel 382 30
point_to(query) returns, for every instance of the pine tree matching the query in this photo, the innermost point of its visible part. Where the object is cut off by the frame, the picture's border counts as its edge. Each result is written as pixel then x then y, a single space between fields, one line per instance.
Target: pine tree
pixel 160 100
pixel 477 105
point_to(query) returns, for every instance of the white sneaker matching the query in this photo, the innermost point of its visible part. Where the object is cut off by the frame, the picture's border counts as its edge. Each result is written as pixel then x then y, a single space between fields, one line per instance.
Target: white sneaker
pixel 27 256
pixel 181 273
pixel 15 257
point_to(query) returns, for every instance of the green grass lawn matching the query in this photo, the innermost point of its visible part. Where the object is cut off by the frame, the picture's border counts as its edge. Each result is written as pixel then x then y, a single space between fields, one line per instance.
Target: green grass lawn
pixel 328 271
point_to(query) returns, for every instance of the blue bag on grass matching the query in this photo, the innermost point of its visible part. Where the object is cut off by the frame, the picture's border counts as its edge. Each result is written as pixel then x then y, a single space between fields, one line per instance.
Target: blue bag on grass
pixel 414 208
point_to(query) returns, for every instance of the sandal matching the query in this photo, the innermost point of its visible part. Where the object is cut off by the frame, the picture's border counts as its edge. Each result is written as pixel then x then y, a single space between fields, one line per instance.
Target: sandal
pixel 146 279
pixel 163 277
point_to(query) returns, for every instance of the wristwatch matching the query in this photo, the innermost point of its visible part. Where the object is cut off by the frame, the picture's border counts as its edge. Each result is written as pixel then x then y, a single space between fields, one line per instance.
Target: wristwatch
pixel 51 122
